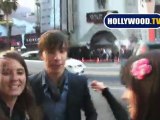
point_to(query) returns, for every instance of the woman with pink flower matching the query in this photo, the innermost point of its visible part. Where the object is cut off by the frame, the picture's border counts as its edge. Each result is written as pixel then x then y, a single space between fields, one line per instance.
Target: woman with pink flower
pixel 141 76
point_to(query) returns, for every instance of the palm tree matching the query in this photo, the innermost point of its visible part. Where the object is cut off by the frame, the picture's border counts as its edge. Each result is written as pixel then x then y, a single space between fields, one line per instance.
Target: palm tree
pixel 8 6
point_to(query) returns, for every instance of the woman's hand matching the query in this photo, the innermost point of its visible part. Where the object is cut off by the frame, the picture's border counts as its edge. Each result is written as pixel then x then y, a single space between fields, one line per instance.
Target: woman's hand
pixel 98 86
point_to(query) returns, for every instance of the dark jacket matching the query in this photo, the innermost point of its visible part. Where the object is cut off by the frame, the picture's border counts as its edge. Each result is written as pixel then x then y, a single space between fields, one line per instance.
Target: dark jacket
pixel 78 96
pixel 17 113
pixel 118 110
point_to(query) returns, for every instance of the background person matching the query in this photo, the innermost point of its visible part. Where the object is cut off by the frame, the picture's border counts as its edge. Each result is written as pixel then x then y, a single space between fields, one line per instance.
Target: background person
pixel 16 98
pixel 61 94
pixel 142 79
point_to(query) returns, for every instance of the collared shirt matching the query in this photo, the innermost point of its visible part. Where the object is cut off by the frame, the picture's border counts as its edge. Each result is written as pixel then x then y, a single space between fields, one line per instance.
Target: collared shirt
pixel 54 103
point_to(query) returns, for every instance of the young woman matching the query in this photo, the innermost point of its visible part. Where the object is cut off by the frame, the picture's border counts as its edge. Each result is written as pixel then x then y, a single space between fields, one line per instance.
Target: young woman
pixel 16 98
pixel 141 76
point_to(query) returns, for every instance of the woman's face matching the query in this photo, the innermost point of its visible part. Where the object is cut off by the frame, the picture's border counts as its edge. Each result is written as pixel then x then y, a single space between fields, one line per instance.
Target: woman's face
pixel 129 97
pixel 12 78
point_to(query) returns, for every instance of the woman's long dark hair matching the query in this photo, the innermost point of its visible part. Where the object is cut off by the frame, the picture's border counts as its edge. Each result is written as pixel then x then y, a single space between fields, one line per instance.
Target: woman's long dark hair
pixel 147 91
pixel 26 101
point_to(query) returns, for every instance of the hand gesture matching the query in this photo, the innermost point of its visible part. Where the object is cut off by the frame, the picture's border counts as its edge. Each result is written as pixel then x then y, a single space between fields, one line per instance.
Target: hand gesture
pixel 98 86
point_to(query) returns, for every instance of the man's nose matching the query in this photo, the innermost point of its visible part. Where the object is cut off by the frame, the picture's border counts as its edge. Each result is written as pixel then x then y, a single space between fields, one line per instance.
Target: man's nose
pixel 57 55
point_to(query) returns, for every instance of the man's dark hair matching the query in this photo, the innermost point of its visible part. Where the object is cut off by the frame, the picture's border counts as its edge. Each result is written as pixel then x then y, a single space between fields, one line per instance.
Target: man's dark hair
pixel 52 40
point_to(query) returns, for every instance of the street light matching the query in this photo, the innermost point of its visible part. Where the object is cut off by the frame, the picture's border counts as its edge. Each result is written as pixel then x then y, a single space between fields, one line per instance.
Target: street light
pixel 38 26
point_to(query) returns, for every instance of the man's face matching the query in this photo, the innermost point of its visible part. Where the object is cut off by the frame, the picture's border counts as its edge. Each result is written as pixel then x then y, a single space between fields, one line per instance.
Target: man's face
pixel 54 60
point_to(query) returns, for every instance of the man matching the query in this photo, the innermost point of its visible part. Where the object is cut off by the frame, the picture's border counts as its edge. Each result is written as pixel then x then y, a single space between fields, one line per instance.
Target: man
pixel 61 94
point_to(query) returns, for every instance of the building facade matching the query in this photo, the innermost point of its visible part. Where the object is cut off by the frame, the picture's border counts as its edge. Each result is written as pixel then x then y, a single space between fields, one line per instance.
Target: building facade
pixel 89 20
pixel 48 14
pixel 147 6
pixel 71 16
pixel 80 21
pixel 83 20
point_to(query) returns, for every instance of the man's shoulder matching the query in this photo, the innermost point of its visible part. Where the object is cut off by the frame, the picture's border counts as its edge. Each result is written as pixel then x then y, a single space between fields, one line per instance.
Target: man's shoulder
pixel 77 78
pixel 34 78
pixel 72 75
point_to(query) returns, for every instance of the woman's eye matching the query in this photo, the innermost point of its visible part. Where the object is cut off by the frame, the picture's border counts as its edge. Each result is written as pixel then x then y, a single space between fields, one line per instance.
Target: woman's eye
pixel 20 72
pixel 5 72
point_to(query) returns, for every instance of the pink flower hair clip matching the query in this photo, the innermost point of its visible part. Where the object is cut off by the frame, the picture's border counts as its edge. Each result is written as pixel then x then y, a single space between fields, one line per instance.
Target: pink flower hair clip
pixel 140 68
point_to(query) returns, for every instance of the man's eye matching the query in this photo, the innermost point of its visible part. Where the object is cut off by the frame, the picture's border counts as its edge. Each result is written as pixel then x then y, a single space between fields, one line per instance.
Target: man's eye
pixel 49 52
pixel 63 50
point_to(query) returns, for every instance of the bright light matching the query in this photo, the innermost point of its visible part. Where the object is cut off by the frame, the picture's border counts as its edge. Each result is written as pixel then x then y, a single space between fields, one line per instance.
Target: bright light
pixel 27 3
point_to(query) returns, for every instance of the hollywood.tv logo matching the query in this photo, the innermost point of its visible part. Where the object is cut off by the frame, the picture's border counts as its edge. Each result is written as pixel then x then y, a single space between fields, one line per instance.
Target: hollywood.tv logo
pixel 113 21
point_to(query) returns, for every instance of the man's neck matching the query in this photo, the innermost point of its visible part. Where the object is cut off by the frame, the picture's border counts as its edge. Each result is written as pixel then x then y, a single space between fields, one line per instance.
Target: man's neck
pixel 56 77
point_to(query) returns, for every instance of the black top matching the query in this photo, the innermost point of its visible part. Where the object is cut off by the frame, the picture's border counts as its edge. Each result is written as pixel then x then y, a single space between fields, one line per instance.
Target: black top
pixel 16 114
pixel 118 110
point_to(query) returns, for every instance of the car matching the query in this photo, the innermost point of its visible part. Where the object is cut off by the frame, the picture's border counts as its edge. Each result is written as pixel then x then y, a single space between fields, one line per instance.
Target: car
pixel 143 47
pixel 34 63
